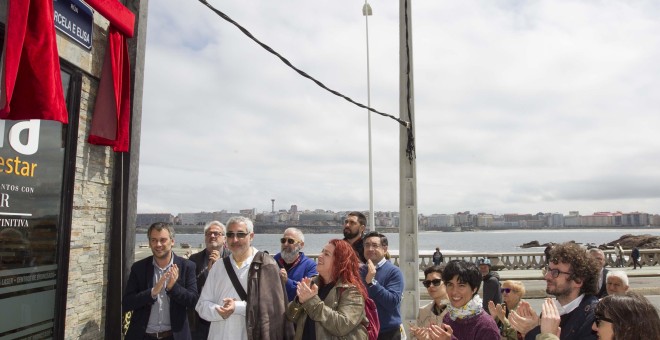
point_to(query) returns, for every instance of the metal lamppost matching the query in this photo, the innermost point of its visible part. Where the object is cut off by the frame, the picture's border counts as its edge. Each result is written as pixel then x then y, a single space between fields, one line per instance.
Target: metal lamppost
pixel 366 11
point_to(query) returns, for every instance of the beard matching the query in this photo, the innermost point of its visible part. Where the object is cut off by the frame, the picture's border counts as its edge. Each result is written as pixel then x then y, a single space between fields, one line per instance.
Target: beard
pixel 289 256
pixel 350 235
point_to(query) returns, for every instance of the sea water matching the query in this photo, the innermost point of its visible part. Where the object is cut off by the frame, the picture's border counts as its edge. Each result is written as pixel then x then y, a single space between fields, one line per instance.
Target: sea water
pixel 500 241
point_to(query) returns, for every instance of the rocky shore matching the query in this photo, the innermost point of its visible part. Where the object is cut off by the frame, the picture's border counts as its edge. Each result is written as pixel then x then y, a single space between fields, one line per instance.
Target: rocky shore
pixel 627 241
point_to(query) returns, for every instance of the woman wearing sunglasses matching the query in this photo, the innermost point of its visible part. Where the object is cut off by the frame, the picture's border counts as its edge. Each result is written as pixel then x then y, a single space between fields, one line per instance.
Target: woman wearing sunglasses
pixel 512 294
pixel 433 312
pixel 626 317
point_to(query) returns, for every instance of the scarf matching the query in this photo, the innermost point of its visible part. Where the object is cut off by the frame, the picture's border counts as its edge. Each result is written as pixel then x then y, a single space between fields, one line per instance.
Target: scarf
pixel 470 309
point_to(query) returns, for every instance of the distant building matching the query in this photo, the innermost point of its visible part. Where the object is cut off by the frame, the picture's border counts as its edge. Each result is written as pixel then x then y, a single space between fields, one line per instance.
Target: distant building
pixel 145 220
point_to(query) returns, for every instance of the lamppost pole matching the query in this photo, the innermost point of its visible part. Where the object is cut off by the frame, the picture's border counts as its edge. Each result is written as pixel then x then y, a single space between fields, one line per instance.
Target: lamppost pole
pixel 366 11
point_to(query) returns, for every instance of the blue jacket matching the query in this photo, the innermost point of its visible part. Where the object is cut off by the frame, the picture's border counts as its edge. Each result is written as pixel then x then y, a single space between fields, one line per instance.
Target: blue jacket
pixel 387 294
pixel 305 267
pixel 575 325
pixel 137 297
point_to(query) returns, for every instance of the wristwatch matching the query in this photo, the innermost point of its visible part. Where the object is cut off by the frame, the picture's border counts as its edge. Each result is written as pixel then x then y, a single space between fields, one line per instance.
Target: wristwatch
pixel 373 282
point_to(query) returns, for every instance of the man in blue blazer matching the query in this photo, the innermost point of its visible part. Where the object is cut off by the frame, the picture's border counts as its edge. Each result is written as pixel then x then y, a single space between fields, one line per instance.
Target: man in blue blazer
pixel 159 290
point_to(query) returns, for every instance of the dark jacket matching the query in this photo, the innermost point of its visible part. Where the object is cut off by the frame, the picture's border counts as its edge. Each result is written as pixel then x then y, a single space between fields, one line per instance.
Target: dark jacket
pixel 358 247
pixel 137 297
pixel 575 325
pixel 491 289
pixel 266 301
pixel 200 259
pixel 602 290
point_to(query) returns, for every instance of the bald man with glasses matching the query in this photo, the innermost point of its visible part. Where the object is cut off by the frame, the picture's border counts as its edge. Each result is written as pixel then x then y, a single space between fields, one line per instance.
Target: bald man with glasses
pixel 294 265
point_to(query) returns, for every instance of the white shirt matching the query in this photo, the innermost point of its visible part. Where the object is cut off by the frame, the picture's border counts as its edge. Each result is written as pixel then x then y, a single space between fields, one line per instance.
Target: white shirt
pixel 217 287
pixel 569 307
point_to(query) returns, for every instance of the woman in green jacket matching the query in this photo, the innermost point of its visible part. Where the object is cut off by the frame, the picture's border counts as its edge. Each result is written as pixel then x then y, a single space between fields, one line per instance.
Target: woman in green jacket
pixel 331 305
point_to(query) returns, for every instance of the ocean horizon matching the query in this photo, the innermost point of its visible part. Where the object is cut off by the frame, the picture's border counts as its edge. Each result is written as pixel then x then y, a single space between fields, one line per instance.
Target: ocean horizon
pixel 499 241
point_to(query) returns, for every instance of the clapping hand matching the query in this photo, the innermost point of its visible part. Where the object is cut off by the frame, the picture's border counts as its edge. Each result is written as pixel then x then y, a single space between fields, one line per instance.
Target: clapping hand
pixel 524 318
pixel 440 332
pixel 550 318
pixel 497 311
pixel 227 308
pixel 306 289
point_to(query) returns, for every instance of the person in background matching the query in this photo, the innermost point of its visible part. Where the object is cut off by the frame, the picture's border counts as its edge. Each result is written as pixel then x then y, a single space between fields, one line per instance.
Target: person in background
pixel 491 283
pixel 617 282
pixel 571 277
pixel 214 239
pixel 260 314
pixel 465 318
pixel 293 263
pixel 331 305
pixel 620 260
pixel 435 311
pixel 629 317
pixel 354 227
pixel 635 257
pixel 599 256
pixel 512 293
pixel 437 257
pixel 384 283
pixel 159 290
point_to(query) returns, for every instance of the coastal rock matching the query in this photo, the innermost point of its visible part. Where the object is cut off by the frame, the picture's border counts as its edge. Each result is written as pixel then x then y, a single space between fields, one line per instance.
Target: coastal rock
pixel 629 241
pixel 531 244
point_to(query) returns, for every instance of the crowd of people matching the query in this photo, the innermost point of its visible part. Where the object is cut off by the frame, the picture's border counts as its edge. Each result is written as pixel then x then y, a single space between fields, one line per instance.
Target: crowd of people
pixel 231 290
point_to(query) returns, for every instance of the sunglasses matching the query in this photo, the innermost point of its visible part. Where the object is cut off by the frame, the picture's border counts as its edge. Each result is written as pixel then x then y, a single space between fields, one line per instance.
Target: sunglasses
pixel 599 318
pixel 213 233
pixel 427 283
pixel 507 290
pixel 231 235
pixel 284 240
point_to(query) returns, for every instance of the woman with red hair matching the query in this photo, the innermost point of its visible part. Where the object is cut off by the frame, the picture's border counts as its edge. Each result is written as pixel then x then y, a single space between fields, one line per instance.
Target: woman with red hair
pixel 331 305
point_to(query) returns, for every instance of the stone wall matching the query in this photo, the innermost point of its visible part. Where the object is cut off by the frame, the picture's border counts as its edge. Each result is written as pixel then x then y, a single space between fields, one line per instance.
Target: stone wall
pixel 92 200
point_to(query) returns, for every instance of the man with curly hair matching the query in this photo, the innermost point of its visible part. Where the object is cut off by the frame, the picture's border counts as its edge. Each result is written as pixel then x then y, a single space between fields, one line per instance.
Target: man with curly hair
pixel 571 276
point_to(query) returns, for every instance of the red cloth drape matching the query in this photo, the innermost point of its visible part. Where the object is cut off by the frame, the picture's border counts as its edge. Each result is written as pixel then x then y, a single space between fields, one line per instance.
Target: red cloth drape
pixel 112 111
pixel 31 81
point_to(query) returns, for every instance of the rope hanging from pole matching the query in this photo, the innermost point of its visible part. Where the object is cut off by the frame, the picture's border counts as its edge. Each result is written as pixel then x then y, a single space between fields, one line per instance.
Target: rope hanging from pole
pixel 410 147
pixel 302 73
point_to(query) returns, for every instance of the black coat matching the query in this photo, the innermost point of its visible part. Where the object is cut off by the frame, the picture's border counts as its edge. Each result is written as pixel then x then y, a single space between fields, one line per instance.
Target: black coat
pixel 137 297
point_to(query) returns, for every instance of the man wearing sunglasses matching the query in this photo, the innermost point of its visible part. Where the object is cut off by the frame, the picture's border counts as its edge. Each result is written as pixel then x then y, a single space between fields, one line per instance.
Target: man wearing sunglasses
pixel 571 276
pixel 294 265
pixel 214 238
pixel 244 297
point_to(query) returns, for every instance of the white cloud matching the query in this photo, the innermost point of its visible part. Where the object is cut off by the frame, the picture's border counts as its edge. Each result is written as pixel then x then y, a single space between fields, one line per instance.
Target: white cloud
pixel 519 106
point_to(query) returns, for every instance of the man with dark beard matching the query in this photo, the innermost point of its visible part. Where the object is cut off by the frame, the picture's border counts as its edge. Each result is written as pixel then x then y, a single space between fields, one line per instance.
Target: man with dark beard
pixel 354 226
pixel 294 265
pixel 571 276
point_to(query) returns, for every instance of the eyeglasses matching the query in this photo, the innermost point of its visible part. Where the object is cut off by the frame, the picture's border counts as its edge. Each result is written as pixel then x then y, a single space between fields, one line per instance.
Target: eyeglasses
pixel 599 318
pixel 507 290
pixel 231 235
pixel 554 272
pixel 214 233
pixel 371 245
pixel 284 240
pixel 435 282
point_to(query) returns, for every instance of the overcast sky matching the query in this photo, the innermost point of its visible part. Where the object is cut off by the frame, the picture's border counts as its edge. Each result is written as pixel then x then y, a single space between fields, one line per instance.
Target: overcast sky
pixel 520 106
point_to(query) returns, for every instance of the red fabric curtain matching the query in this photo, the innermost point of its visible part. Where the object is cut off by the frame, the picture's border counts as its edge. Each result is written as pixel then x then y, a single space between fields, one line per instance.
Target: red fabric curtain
pixel 31 81
pixel 112 111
